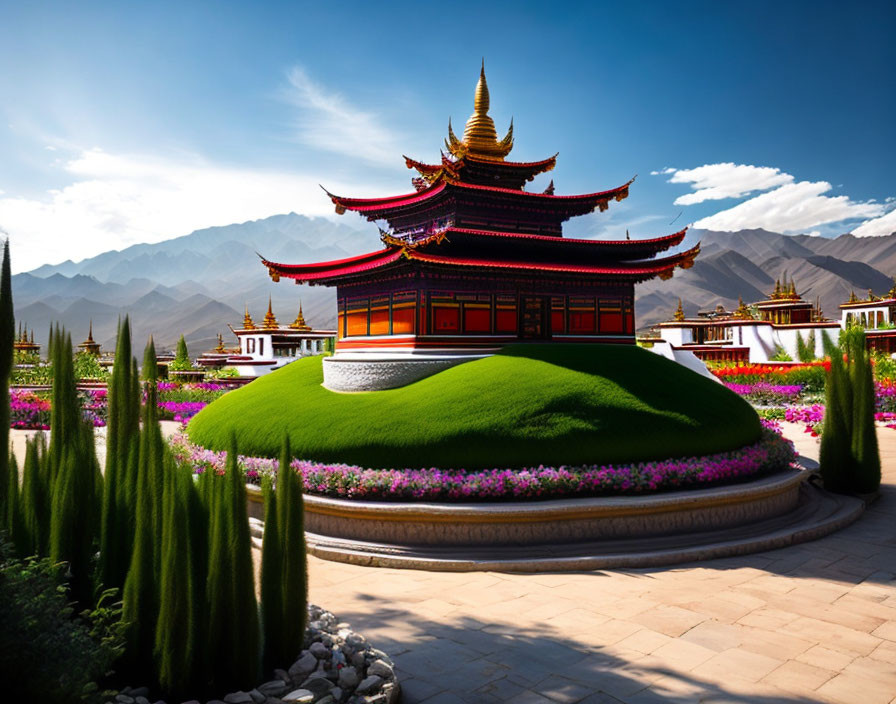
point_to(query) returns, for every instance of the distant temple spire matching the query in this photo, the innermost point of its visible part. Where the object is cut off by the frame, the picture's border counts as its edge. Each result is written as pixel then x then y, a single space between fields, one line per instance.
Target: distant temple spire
pixel 270 322
pixel 299 323
pixel 220 348
pixel 90 345
pixel 679 312
pixel 247 320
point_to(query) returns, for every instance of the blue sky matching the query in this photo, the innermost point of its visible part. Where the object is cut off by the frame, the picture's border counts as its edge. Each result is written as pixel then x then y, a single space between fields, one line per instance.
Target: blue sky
pixel 126 122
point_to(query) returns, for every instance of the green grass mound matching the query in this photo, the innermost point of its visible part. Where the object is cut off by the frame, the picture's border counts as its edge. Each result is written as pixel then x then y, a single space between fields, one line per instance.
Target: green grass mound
pixel 527 406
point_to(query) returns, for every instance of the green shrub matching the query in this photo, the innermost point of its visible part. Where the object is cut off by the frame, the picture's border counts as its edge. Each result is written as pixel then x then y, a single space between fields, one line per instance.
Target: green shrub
pixel 780 355
pixel 849 458
pixel 87 366
pixel 47 653
pixel 181 362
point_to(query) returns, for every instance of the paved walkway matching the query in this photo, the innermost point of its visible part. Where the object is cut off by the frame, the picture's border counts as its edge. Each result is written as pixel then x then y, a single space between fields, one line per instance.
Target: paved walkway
pixel 810 623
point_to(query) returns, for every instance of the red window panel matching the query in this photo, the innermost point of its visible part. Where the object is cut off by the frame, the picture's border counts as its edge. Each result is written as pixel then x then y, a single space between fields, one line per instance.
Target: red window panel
pixel 477 319
pixel 581 322
pixel 379 322
pixel 446 319
pixel 356 323
pixel 557 322
pixel 403 320
pixel 505 320
pixel 611 322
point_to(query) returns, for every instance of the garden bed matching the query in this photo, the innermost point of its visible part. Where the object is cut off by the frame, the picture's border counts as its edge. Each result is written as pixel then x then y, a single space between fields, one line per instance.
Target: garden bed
pixel 771 454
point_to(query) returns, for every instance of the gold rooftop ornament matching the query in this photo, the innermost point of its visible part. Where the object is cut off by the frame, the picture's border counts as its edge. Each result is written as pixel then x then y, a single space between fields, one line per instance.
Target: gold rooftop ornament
pixel 679 312
pixel 247 320
pixel 299 323
pixel 480 137
pixel 270 322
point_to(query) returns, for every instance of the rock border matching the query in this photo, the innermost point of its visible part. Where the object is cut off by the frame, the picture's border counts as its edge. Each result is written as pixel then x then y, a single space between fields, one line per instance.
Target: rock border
pixel 337 666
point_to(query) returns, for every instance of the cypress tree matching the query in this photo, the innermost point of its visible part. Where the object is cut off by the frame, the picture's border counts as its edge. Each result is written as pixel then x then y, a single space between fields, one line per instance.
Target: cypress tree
pixel 33 503
pixel 271 583
pixel 175 629
pixel 141 587
pixel 802 352
pixel 7 336
pixel 73 519
pixel 291 514
pixel 865 452
pixel 14 525
pixel 233 611
pixel 835 456
pixel 122 432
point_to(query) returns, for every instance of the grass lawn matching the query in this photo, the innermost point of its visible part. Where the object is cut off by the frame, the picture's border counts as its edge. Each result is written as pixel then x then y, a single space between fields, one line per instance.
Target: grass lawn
pixel 529 405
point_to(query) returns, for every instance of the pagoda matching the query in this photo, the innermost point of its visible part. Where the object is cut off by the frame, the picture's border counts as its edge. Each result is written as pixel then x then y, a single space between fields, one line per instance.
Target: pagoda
pixel 90 346
pixel 471 260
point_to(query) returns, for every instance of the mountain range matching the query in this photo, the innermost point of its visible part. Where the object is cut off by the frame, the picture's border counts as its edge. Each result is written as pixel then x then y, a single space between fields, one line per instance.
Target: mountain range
pixel 199 283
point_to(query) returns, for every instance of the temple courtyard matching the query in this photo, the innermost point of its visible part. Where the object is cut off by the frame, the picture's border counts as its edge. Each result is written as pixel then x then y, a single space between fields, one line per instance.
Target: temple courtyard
pixel 815 622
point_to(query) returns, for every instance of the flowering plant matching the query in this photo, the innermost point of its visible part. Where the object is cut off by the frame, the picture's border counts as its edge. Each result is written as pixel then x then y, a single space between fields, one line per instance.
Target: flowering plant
pixel 771 453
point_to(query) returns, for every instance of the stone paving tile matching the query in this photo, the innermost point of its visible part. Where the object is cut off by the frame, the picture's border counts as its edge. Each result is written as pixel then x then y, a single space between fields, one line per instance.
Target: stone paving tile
pixel 671 620
pixel 798 677
pixel 747 665
pixel 715 636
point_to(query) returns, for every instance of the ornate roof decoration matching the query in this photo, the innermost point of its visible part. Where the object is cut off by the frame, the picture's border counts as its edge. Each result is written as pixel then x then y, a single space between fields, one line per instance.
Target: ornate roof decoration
pixel 299 323
pixel 549 191
pixel 480 137
pixel 679 312
pixel 270 322
pixel 743 311
pixel 852 297
pixel 220 348
pixel 247 320
pixel 89 345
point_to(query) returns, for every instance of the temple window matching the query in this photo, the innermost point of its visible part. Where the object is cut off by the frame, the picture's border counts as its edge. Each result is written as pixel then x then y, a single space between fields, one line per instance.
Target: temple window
pixel 261 345
pixel 250 345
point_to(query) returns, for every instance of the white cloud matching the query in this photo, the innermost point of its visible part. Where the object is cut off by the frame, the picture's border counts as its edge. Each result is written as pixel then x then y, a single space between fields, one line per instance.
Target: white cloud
pixel 726 180
pixel 327 121
pixel 667 170
pixel 884 225
pixel 115 200
pixel 794 207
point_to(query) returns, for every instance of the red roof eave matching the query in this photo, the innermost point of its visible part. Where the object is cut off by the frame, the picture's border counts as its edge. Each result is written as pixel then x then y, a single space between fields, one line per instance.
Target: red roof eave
pixel 339 267
pixel 366 205
pixel 654 267
pixel 662 243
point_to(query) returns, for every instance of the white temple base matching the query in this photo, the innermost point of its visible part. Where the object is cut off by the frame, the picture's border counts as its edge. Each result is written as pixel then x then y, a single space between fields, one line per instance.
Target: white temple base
pixel 366 372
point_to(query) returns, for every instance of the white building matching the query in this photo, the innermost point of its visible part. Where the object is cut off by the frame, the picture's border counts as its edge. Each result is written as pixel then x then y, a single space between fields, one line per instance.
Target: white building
pixel 269 346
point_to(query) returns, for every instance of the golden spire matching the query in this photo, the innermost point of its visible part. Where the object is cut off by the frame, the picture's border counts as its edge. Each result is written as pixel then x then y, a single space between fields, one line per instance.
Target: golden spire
pixel 679 312
pixel 299 323
pixel 792 290
pixel 220 348
pixel 270 322
pixel 777 293
pixel 247 320
pixel 852 297
pixel 480 137
pixel 90 332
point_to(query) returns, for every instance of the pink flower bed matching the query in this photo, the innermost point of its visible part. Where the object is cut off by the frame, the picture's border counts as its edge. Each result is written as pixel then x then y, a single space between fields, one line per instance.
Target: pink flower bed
pixel 772 453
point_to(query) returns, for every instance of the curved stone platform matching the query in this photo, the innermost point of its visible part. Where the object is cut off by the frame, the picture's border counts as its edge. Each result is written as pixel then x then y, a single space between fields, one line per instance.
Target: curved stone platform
pixel 377 372
pixel 816 513
pixel 556 521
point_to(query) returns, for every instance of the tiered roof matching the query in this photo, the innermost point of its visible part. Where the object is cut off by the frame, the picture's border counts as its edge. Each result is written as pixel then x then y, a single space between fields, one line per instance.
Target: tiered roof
pixel 471 211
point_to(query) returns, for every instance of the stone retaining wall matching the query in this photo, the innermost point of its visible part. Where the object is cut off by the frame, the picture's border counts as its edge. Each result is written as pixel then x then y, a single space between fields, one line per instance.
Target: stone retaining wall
pixel 556 521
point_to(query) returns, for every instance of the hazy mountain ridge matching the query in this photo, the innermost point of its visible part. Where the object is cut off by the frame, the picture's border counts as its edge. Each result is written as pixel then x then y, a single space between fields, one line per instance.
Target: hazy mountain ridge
pixel 199 283
pixel 195 284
